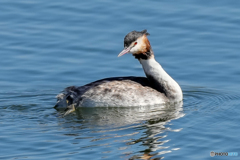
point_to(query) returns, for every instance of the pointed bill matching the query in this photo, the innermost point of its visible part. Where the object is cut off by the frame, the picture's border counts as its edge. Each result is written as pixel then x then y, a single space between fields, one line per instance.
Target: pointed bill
pixel 124 51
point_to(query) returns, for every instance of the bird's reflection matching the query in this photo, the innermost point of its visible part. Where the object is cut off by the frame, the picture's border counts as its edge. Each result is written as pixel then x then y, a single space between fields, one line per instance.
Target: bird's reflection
pixel 149 120
pixel 119 116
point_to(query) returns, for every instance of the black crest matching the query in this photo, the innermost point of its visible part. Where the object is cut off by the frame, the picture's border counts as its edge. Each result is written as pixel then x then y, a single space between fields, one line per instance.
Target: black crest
pixel 133 36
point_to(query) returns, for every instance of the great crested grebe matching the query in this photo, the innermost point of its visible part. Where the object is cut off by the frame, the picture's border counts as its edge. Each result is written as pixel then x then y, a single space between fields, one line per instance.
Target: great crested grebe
pixel 157 88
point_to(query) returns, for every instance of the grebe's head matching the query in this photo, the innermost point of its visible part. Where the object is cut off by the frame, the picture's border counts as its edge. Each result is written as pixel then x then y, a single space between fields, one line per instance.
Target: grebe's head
pixel 137 43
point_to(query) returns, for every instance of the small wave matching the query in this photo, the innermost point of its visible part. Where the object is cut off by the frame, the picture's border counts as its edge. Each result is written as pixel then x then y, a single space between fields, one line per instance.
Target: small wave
pixel 208 99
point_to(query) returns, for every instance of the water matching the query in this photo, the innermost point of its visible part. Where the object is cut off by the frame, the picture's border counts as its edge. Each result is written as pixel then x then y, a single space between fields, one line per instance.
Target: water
pixel 46 46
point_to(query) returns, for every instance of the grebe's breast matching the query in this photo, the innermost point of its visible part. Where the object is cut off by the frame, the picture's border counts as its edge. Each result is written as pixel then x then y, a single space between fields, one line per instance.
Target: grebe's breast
pixel 114 92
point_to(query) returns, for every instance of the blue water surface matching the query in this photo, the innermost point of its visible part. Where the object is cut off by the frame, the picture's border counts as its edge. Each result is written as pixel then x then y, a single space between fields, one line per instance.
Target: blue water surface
pixel 46 46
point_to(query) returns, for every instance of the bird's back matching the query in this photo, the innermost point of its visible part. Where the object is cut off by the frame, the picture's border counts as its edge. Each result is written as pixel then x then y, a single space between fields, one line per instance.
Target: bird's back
pixel 112 92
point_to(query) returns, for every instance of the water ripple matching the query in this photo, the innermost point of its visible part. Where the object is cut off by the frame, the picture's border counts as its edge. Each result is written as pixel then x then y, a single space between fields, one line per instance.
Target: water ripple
pixel 200 96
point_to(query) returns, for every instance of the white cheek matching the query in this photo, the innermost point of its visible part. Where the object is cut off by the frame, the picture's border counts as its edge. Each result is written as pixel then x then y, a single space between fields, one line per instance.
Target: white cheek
pixel 137 47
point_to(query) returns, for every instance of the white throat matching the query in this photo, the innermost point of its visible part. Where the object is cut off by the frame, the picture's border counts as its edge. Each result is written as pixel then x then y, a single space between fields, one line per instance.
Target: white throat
pixel 160 80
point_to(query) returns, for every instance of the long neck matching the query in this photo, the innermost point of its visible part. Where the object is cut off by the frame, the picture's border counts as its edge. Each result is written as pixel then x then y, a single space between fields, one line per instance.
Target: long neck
pixel 160 80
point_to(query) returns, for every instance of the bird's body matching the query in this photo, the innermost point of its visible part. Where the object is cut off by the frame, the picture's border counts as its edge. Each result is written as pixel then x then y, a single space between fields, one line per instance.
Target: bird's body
pixel 113 92
pixel 157 88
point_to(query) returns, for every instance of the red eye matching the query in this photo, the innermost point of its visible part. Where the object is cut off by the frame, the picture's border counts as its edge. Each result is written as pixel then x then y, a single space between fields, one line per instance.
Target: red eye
pixel 135 43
